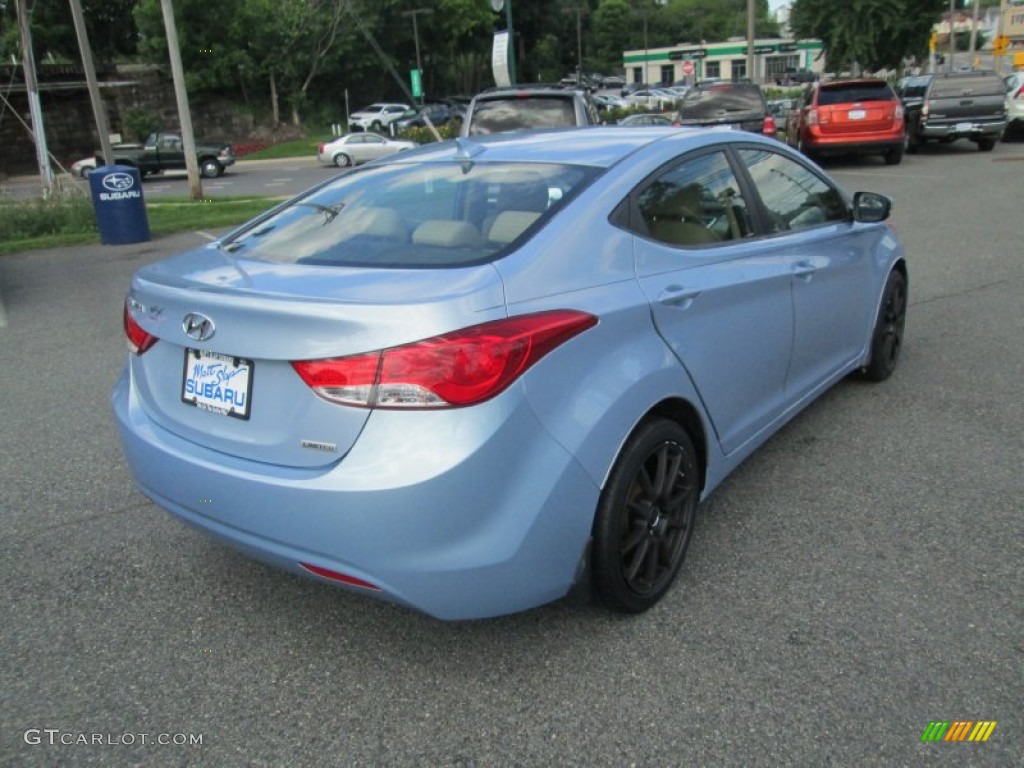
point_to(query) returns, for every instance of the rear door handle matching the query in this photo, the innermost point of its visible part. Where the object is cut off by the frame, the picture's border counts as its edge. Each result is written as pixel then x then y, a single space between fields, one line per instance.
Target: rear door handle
pixel 678 296
pixel 804 269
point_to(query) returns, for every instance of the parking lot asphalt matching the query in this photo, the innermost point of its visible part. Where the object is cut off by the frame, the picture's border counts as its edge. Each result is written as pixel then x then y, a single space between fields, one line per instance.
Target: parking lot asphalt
pixel 859 577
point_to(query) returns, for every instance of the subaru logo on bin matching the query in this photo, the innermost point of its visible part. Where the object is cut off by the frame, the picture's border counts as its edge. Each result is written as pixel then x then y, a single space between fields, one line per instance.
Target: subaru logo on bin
pixel 118 182
pixel 197 326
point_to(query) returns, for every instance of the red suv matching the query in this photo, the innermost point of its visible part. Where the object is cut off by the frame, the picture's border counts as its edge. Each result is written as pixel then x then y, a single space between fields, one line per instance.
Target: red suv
pixel 863 116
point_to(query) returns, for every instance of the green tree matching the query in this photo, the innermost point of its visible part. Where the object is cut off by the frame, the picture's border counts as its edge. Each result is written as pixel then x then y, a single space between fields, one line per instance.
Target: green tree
pixel 874 34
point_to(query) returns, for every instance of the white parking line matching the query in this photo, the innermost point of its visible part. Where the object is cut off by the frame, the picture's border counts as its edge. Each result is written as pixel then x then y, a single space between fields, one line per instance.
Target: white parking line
pixel 283 180
pixel 207 235
pixel 275 184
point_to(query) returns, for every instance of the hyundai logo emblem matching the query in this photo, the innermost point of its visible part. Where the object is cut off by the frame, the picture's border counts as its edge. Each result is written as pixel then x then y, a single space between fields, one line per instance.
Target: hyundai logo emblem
pixel 198 327
pixel 118 182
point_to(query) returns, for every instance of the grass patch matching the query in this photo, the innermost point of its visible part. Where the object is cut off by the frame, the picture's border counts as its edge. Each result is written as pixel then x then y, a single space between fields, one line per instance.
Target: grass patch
pixel 299 148
pixel 35 224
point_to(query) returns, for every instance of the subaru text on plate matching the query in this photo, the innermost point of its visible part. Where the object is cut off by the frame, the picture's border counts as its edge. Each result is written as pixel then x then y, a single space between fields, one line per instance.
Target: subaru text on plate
pixel 475 375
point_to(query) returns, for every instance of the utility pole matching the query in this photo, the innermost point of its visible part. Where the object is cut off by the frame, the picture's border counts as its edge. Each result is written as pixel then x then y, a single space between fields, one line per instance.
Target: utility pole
pixel 188 140
pixel 90 80
pixel 952 36
pixel 580 13
pixel 416 38
pixel 974 30
pixel 34 105
pixel 750 40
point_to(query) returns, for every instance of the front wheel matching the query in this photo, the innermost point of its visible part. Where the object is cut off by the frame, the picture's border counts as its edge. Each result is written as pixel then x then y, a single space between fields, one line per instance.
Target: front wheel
pixel 645 517
pixel 210 168
pixel 887 338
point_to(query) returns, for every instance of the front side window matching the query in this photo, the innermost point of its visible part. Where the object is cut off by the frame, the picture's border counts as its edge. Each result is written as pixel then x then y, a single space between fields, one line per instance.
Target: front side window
pixel 794 196
pixel 695 203
pixel 406 215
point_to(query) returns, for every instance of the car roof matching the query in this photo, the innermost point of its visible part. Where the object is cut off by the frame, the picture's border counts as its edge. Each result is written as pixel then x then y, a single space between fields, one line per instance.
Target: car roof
pixel 600 146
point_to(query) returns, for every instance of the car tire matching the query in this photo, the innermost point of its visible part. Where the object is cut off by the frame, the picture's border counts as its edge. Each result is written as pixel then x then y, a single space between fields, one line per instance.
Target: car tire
pixel 645 517
pixel 342 160
pixel 894 156
pixel 887 337
pixel 986 145
pixel 210 168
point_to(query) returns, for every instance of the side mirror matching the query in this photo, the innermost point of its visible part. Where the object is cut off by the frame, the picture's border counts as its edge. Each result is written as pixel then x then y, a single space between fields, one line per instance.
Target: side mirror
pixel 871 207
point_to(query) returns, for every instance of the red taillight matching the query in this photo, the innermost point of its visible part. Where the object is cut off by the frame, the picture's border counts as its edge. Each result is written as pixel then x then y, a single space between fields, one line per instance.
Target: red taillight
pixel 320 150
pixel 1019 94
pixel 138 339
pixel 457 369
pixel 769 125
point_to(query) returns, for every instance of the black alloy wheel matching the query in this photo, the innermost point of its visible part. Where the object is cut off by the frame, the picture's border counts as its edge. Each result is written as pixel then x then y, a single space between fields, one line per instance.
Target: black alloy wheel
pixel 645 517
pixel 887 340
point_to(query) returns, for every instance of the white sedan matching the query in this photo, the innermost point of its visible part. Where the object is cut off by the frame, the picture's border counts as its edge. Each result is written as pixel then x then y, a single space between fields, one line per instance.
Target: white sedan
pixel 358 148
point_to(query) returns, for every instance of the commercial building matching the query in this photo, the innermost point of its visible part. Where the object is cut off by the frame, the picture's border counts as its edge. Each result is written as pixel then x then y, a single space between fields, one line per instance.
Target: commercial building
pixel 773 58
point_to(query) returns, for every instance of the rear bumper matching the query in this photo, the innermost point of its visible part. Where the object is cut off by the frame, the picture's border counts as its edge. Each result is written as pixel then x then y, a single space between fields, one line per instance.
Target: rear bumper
pixel 456 525
pixel 962 129
pixel 881 141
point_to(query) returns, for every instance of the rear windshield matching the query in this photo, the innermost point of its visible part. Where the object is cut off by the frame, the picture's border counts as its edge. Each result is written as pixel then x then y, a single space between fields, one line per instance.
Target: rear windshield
pixel 854 92
pixel 967 86
pixel 517 113
pixel 713 101
pixel 412 215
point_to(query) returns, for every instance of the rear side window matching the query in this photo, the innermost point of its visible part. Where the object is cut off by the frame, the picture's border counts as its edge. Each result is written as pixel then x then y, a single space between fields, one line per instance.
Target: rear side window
pixel 945 87
pixel 514 114
pixel 854 92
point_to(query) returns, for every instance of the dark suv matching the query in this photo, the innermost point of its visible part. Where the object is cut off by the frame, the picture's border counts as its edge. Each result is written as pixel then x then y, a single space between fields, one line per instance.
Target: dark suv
pixel 524 107
pixel 954 105
pixel 741 105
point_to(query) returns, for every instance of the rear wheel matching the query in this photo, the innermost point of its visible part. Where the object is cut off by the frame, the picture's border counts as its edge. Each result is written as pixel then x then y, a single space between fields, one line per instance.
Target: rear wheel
pixel 887 339
pixel 342 160
pixel 894 156
pixel 645 517
pixel 986 145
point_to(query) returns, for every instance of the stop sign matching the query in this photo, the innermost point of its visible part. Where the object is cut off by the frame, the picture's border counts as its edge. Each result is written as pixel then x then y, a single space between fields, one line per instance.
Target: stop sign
pixel 688 68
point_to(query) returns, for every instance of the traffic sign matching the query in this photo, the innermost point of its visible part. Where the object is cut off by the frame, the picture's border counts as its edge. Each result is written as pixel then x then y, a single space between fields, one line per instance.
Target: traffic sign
pixel 1000 45
pixel 688 67
pixel 416 82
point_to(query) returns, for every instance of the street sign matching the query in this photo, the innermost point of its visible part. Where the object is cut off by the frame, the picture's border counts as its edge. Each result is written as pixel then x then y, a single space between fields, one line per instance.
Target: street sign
pixel 1000 45
pixel 688 67
pixel 416 82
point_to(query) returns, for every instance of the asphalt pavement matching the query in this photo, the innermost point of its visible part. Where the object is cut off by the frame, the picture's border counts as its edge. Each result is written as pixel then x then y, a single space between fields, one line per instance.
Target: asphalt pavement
pixel 859 577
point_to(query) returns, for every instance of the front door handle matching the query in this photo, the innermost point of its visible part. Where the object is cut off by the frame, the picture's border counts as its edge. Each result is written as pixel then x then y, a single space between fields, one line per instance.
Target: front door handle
pixel 678 296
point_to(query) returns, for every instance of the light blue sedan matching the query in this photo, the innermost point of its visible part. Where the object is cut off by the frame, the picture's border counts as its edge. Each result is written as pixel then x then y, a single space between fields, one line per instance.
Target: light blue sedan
pixel 476 375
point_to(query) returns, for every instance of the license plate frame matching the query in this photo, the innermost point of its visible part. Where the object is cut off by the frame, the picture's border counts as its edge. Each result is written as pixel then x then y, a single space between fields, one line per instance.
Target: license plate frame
pixel 215 380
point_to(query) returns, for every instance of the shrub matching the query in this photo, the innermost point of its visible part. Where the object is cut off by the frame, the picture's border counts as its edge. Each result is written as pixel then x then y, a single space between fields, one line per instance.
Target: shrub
pixel 140 123
pixel 60 214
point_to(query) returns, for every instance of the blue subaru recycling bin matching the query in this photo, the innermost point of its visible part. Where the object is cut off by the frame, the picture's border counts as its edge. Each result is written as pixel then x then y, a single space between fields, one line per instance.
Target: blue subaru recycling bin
pixel 117 199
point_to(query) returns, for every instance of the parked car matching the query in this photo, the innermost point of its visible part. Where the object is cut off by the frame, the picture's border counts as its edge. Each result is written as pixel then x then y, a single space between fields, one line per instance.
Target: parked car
pixel 1015 104
pixel 468 379
pixel 165 151
pixel 739 105
pixel 948 106
pixel 439 114
pixel 609 101
pixel 499 110
pixel 856 116
pixel 652 98
pixel 376 117
pixel 794 76
pixel 645 118
pixel 356 148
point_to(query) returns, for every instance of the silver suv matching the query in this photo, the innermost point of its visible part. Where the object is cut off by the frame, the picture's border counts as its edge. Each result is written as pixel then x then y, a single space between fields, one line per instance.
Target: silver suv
pixel 524 107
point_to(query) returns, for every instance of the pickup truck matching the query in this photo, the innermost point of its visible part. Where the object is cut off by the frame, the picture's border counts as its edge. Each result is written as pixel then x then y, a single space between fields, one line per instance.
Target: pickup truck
pixel 163 151
pixel 954 105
